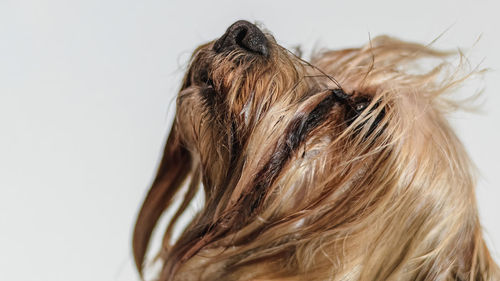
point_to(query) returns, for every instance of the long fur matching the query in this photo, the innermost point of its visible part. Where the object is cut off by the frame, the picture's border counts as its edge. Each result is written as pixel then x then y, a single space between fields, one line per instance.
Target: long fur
pixel 343 168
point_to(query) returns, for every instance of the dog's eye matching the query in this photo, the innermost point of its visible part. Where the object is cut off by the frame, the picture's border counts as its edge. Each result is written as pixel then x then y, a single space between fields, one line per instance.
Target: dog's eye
pixel 210 83
pixel 203 76
pixel 355 107
pixel 360 106
pixel 357 104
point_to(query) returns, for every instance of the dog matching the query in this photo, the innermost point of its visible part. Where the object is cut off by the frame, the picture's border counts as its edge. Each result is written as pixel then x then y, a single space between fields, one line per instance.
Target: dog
pixel 341 168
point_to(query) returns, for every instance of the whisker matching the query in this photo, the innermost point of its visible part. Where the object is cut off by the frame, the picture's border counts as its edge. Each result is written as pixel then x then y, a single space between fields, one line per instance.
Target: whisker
pixel 331 78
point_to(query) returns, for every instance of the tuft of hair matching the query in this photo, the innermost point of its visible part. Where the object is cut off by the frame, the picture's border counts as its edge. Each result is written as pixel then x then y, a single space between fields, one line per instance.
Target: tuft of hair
pixel 301 186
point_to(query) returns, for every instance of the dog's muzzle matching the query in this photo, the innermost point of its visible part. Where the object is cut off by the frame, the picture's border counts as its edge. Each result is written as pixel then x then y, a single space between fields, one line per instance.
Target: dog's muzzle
pixel 244 35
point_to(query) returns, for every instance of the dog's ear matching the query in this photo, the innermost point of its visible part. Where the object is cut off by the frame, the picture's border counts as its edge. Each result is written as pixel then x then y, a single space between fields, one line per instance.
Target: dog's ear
pixel 174 168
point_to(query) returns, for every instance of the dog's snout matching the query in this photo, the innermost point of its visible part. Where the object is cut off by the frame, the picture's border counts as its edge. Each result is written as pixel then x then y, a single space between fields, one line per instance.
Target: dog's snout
pixel 245 35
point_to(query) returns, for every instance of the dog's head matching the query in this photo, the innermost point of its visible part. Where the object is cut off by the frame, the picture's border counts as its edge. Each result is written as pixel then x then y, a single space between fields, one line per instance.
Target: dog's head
pixel 343 167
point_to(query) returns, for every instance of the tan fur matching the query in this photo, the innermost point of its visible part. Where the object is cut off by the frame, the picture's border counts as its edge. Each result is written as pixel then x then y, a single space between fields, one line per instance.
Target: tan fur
pixel 369 199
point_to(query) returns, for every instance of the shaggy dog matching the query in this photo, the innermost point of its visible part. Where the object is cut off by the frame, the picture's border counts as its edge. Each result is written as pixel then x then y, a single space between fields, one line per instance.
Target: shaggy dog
pixel 341 168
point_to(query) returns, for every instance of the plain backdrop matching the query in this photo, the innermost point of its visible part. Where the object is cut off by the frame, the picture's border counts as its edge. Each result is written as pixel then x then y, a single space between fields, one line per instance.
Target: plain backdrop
pixel 86 91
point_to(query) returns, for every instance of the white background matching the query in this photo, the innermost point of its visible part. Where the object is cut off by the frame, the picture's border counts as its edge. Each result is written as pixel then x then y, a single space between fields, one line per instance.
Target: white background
pixel 86 90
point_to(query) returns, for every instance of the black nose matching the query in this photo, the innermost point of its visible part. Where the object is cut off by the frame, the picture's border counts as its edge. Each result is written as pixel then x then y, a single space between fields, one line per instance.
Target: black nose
pixel 245 35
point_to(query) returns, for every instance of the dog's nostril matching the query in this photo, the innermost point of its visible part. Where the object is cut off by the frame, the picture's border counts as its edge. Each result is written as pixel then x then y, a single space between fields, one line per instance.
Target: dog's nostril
pixel 245 35
pixel 239 36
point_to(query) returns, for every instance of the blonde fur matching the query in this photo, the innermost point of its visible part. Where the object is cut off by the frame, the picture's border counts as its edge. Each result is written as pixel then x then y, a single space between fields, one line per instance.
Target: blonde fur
pixel 299 186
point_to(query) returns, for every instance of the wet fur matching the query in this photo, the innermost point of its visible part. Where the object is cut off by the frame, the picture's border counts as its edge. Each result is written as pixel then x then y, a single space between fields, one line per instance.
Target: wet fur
pixel 341 168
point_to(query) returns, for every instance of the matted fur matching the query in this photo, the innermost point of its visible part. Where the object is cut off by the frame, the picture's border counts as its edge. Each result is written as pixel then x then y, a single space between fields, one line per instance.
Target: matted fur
pixel 343 168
